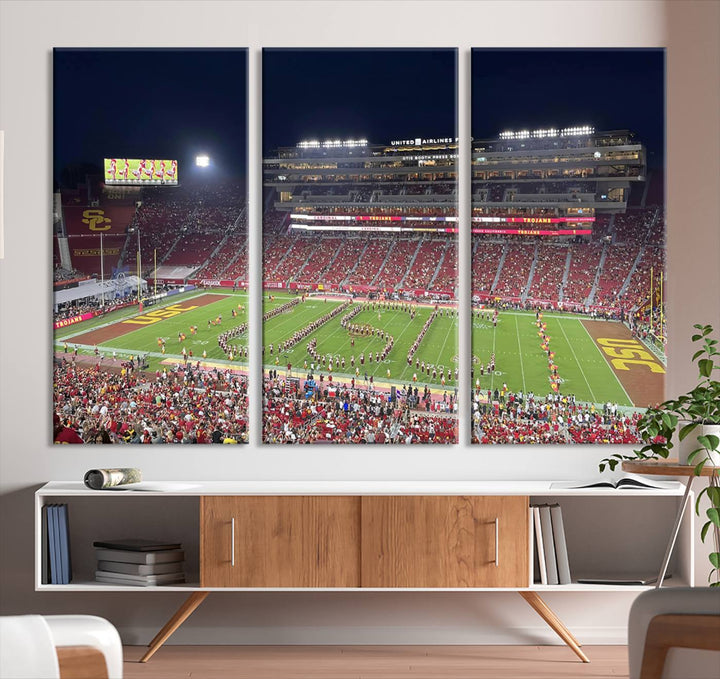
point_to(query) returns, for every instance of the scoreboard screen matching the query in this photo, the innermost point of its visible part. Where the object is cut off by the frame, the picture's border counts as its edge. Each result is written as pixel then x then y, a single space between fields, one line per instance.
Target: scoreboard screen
pixel 141 171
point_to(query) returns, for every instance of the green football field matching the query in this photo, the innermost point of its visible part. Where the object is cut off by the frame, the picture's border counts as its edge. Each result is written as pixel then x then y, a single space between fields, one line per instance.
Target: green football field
pixel 143 339
pixel 438 347
pixel 521 363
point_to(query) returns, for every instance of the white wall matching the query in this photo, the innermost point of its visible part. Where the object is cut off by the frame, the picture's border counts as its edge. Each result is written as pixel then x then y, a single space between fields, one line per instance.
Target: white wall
pixel 28 31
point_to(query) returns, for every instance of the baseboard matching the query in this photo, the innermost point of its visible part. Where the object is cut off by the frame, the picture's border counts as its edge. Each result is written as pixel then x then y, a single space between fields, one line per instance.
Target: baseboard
pixel 376 636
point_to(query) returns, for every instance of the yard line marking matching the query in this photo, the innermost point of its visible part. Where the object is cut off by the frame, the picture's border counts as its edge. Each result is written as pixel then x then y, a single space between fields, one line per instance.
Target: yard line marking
pixel 582 372
pixel 612 372
pixel 492 377
pixel 522 367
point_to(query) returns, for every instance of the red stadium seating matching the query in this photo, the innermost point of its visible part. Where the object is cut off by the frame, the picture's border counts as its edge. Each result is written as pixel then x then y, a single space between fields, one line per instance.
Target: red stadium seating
pixel 548 274
pixel 584 262
pixel 370 262
pixel 515 270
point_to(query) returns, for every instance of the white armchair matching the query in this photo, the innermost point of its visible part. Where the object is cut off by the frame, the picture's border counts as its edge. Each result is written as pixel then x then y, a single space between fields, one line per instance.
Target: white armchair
pixel 674 633
pixel 59 647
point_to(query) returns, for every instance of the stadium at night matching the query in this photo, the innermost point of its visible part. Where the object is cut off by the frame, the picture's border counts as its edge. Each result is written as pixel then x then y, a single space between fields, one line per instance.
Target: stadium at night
pixel 360 227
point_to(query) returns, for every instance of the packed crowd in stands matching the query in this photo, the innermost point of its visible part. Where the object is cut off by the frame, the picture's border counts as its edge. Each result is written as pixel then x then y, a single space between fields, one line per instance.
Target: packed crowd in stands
pixel 548 273
pixel 636 225
pixel 346 258
pixel 515 270
pixel 427 257
pixel 618 260
pixel 326 412
pixel 226 256
pixel 446 272
pixel 505 417
pixel 486 257
pixel 397 263
pixel 123 405
pixel 60 274
pixel 182 227
pixel 91 304
pixel 647 273
pixel 584 263
pixel 370 262
pixel 323 258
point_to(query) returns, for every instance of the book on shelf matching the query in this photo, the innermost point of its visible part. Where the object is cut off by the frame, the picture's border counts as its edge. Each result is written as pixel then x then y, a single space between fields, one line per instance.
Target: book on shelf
pixel 137 545
pixel 549 545
pixel 45 552
pixel 625 482
pixel 561 552
pixel 139 580
pixel 129 556
pixel 64 539
pixel 53 545
pixel 550 553
pixel 139 568
pixel 539 547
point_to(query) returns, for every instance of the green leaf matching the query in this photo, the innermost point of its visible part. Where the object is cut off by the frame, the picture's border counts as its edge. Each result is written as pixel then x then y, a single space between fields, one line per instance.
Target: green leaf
pixel 699 467
pixel 714 516
pixel 708 441
pixel 715 559
pixel 694 454
pixel 687 429
pixel 713 493
pixel 705 366
pixel 695 338
pixel 704 530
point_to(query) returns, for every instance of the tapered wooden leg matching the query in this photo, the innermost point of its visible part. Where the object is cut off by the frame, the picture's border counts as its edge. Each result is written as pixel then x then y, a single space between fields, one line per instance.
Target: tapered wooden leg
pixel 181 615
pixel 547 614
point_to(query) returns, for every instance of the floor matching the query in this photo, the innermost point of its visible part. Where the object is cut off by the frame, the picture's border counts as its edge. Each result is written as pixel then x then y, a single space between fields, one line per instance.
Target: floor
pixel 375 662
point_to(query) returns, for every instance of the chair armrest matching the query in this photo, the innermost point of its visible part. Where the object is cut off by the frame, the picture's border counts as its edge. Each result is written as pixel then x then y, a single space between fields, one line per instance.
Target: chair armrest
pixel 81 662
pixel 677 631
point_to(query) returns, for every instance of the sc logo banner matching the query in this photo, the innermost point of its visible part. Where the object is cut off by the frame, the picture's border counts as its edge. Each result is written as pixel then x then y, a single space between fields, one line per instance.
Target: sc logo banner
pixel 96 220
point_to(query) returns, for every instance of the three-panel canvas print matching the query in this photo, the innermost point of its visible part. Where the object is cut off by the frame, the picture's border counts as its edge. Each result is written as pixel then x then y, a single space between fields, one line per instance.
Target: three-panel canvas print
pixel 359 237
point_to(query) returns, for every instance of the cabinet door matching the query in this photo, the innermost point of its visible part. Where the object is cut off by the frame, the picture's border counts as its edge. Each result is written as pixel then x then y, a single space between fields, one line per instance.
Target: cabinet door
pixel 441 541
pixel 303 541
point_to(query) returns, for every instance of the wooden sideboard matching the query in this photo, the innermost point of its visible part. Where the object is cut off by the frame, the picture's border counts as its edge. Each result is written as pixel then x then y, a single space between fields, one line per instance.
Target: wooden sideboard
pixel 360 536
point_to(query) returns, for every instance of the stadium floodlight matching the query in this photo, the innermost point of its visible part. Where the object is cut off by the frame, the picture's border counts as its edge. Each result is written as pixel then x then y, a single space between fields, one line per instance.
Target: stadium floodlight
pixel 202 161
pixel 577 131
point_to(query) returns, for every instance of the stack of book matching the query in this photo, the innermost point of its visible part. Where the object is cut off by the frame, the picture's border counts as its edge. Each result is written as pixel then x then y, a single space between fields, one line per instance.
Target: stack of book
pixel 143 563
pixel 552 565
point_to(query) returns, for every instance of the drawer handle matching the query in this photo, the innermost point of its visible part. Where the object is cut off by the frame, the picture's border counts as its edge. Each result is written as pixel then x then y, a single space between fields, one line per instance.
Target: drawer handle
pixel 497 542
pixel 232 542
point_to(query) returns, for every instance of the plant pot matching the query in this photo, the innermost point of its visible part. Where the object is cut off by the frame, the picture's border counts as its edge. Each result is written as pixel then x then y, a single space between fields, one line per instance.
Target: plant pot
pixel 691 443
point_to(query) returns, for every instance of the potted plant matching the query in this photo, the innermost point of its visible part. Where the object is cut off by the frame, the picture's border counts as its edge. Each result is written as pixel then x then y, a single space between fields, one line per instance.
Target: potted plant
pixel 696 413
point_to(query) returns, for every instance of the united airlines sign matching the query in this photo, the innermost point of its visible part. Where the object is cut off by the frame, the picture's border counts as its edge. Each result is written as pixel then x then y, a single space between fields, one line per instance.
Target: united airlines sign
pixel 419 141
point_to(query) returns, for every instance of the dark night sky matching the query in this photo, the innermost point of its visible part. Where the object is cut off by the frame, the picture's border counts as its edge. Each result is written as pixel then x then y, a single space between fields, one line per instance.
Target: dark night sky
pixel 376 94
pixel 176 103
pixel 610 89
pixel 145 103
